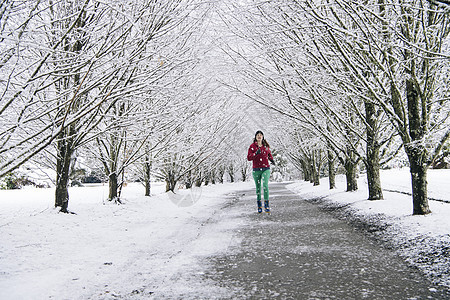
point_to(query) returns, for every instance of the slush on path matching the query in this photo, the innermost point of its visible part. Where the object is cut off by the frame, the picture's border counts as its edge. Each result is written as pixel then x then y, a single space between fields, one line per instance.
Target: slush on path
pixel 301 252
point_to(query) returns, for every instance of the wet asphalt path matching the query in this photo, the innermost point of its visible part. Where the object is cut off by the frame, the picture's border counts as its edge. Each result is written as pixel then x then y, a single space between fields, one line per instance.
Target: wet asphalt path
pixel 301 252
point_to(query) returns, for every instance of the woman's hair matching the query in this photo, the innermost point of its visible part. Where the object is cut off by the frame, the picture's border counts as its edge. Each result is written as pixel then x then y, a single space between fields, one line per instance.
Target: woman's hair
pixel 264 142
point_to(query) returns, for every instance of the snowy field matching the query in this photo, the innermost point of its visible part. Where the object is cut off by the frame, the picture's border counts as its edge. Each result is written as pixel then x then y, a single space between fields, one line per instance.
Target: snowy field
pixel 108 251
pixel 424 241
pixel 157 246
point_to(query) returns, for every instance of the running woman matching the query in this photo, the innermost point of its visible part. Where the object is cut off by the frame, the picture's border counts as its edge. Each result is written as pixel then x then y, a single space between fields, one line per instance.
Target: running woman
pixel 259 153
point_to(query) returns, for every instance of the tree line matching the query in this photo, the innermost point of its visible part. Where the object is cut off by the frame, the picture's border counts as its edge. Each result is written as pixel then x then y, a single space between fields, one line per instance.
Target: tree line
pixel 119 85
pixel 357 82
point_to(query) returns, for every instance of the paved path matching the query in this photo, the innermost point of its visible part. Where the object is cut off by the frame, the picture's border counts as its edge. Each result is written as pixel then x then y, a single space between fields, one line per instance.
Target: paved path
pixel 301 252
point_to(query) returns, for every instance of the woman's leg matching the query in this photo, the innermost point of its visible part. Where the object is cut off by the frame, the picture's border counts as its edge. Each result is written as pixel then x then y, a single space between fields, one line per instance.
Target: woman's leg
pixel 265 179
pixel 257 178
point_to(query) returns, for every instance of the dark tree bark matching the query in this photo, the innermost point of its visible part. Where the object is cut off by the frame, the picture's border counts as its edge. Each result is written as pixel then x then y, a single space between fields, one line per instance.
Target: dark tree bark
pixel 306 170
pixel 65 150
pixel 331 170
pixel 244 172
pixel 213 176
pixel 417 154
pixel 350 175
pixel 231 172
pixel 147 171
pixel 147 188
pixel 198 177
pixel 220 173
pixel 66 144
pixel 316 163
pixel 113 187
pixel 373 154
pixel 199 180
pixel 418 172
pixel 170 182
pixel 188 180
pixel 351 166
pixel 110 161
pixel 312 171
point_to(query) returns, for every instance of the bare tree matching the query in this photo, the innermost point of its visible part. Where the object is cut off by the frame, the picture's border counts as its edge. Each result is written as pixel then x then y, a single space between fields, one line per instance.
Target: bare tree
pixel 72 63
pixel 351 46
pixel 400 68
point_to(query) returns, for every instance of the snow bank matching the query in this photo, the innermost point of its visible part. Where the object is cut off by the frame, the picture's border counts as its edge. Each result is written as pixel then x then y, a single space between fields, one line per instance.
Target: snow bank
pixel 424 241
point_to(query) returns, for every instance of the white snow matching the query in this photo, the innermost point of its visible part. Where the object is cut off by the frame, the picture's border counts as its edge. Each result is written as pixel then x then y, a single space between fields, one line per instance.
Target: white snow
pixel 157 246
pixel 421 240
pixel 147 245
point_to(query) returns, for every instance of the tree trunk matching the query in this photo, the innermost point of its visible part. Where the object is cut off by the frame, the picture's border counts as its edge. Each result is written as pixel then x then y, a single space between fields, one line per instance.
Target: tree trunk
pixel 316 179
pixel 315 168
pixel 147 170
pixel 417 154
pixel 198 182
pixel 62 172
pixel 113 187
pixel 244 173
pixel 198 178
pixel 188 184
pixel 147 188
pixel 350 175
pixel 188 180
pixel 231 172
pixel 331 171
pixel 419 186
pixel 373 154
pixel 306 170
pixel 206 180
pixel 65 145
pixel 373 173
pixel 220 174
pixel 170 182
pixel 213 177
pixel 62 192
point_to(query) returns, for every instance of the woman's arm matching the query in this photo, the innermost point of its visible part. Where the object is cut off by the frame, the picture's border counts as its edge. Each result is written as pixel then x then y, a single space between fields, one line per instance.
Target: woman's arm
pixel 270 156
pixel 252 152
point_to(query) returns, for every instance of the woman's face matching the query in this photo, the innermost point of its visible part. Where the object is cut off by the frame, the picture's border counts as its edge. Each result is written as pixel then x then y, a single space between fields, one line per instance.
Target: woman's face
pixel 259 137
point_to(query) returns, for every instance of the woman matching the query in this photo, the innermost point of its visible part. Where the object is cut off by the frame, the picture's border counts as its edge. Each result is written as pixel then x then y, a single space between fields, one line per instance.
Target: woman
pixel 259 153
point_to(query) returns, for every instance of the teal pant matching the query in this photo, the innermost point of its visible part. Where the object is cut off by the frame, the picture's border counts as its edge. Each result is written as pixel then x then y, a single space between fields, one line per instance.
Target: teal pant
pixel 263 176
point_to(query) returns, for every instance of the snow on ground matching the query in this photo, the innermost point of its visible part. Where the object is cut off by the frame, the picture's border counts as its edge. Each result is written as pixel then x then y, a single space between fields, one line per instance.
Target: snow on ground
pixel 424 241
pixel 157 246
pixel 104 251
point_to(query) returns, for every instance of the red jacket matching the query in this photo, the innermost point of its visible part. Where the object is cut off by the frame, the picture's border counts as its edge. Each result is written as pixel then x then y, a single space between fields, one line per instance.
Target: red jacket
pixel 260 160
